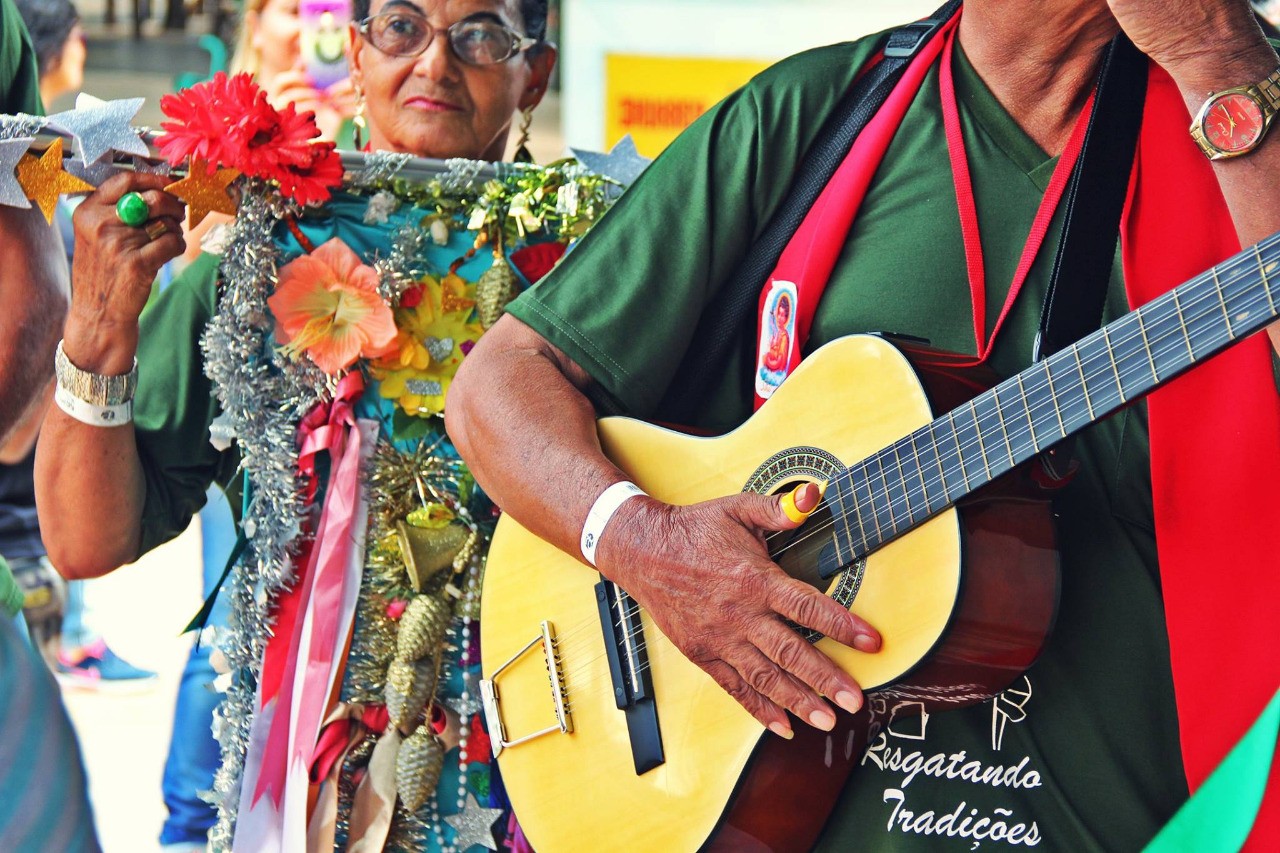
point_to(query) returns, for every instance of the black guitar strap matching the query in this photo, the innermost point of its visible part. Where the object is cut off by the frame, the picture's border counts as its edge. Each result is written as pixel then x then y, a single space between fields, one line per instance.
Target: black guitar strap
pixel 721 330
pixel 1094 202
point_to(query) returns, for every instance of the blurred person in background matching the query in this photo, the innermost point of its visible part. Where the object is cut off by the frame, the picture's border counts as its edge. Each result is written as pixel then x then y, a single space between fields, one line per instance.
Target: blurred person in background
pixel 63 633
pixel 44 803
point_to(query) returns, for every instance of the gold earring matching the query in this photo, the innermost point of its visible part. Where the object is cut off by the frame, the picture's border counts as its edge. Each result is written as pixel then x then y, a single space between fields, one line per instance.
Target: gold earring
pixel 358 124
pixel 522 147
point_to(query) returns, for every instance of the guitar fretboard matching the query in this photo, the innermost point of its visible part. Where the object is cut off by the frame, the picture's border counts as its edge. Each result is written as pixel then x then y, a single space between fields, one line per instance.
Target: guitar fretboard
pixel 905 484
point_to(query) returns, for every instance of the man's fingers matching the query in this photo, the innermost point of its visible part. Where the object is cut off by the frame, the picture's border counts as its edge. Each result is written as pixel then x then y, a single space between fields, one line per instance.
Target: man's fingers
pixel 810 667
pixel 766 712
pixel 805 606
pixel 778 512
pixel 162 204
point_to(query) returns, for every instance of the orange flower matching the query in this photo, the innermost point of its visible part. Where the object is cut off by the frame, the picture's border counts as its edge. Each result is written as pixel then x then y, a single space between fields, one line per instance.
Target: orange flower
pixel 327 306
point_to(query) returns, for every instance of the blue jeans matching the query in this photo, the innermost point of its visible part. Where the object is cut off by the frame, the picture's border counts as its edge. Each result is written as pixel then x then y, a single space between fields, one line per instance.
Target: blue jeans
pixel 76 632
pixel 193 752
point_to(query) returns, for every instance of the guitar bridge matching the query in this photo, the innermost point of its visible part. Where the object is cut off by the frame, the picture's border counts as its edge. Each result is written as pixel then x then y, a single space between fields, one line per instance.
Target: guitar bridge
pixel 491 698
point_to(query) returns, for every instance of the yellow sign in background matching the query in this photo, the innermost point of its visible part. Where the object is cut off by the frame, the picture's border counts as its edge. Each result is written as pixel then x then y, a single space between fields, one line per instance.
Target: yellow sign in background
pixel 653 98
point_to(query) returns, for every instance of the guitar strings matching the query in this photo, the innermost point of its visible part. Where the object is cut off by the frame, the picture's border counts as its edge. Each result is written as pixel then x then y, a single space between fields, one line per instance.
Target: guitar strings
pixel 1020 431
pixel 1193 311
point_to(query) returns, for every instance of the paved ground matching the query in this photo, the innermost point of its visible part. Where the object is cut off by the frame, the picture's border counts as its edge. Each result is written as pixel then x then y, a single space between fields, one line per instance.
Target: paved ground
pixel 140 609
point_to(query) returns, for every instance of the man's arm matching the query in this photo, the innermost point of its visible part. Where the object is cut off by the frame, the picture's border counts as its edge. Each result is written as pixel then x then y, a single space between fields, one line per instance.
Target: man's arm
pixel 33 303
pixel 1209 46
pixel 518 415
pixel 89 482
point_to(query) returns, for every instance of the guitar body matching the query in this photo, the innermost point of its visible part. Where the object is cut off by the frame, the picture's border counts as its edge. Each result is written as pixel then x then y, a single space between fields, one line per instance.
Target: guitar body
pixel 963 602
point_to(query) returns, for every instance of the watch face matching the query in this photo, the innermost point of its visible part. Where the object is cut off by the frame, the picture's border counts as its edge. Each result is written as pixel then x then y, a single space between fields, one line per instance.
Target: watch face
pixel 1233 123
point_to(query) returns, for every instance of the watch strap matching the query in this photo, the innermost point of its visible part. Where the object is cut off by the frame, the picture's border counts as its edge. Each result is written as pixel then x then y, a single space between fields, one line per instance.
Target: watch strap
pixel 95 389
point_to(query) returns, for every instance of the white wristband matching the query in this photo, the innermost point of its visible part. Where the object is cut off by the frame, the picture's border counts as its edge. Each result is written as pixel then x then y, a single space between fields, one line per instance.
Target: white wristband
pixel 88 413
pixel 602 512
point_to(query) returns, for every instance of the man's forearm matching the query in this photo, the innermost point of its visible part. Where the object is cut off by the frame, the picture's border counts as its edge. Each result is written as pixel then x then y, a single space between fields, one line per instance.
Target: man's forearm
pixel 508 392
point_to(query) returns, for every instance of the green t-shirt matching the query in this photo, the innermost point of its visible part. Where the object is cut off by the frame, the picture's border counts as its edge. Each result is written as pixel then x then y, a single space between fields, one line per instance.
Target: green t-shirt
pixel 1084 748
pixel 19 94
pixel 175 404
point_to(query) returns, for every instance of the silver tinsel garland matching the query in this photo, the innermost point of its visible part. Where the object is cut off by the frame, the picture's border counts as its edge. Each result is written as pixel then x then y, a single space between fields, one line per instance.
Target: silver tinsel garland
pixel 263 398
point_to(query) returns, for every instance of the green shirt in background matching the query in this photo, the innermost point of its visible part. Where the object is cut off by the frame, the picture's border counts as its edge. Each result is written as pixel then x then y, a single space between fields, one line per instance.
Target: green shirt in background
pixel 19 93
pixel 1084 748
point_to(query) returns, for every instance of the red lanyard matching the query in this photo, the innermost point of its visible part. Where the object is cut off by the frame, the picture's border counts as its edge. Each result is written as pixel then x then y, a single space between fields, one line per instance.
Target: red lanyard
pixel 969 213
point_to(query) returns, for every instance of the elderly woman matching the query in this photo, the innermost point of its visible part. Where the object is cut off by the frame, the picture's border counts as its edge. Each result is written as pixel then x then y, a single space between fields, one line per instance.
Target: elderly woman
pixel 435 79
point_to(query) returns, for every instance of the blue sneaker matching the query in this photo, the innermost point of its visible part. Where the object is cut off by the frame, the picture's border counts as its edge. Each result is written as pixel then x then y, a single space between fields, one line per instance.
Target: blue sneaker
pixel 96 666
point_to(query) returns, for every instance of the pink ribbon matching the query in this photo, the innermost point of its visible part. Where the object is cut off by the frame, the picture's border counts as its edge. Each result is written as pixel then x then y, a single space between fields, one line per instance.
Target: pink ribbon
pixel 331 428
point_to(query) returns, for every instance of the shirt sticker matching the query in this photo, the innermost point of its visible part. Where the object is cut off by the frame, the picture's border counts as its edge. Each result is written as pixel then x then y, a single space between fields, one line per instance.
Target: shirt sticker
pixel 777 338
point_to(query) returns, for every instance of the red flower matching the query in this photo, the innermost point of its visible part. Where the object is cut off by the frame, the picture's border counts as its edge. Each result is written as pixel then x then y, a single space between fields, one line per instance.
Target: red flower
pixel 537 260
pixel 228 121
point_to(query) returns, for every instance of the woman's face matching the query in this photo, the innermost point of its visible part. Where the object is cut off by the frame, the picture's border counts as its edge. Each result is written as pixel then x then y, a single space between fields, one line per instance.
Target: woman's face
pixel 433 104
pixel 275 32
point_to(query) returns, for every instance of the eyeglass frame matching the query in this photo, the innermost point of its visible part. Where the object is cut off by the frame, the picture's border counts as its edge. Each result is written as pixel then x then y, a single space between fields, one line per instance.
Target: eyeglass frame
pixel 520 43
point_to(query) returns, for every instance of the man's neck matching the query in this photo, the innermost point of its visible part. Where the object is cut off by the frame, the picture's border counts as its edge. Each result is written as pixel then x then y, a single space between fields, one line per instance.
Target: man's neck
pixel 1039 59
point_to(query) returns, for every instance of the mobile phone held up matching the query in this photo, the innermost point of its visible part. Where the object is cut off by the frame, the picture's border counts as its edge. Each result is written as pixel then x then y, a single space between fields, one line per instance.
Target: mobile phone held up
pixel 324 40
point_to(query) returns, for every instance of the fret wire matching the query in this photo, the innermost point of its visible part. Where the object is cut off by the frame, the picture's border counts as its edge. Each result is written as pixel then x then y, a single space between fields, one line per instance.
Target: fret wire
pixel 955 441
pixel 851 493
pixel 1240 300
pixel 1097 362
pixel 1115 367
pixel 982 445
pixel 870 502
pixel 1135 371
pixel 924 483
pixel 1084 382
pixel 986 410
pixel 1222 299
pixel 885 528
pixel 887 482
pixel 1004 431
pixel 1182 324
pixel 1053 395
pixel 1146 344
pixel 1166 324
pixel 902 480
pixel 841 513
pixel 966 431
pixel 1026 407
pixel 1266 282
pixel 937 456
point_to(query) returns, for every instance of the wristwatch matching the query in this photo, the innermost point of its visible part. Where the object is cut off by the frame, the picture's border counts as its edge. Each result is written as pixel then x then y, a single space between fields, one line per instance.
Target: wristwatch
pixel 94 388
pixel 1232 122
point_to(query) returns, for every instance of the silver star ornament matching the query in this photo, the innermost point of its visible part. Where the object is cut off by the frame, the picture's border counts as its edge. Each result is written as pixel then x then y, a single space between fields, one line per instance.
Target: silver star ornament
pixel 623 164
pixel 100 127
pixel 11 151
pixel 474 824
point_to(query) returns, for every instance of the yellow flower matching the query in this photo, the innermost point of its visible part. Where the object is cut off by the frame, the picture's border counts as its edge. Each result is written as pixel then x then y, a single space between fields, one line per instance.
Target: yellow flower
pixel 434 336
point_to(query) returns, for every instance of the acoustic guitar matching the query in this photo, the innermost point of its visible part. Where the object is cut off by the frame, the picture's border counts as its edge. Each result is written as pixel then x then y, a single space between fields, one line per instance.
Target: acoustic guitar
pixel 934 529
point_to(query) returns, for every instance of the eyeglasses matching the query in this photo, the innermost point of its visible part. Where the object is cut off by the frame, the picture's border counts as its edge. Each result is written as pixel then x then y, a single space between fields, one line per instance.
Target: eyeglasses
pixel 475 41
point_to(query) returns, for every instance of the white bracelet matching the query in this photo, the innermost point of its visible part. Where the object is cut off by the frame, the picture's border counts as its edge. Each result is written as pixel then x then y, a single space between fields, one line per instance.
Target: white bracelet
pixel 93 415
pixel 602 512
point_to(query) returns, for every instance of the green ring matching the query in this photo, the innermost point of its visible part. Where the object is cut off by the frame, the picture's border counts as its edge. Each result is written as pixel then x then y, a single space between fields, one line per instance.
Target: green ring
pixel 133 210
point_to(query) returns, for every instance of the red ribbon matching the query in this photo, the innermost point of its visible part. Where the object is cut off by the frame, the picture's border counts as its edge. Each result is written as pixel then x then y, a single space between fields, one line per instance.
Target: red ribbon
pixel 328 427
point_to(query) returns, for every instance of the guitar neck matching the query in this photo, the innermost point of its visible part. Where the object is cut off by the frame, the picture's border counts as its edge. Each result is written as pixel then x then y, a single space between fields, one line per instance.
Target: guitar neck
pixel 898 488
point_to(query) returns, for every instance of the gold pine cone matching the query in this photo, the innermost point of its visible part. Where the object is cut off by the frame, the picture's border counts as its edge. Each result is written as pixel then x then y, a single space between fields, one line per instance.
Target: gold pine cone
pixel 410 687
pixel 497 286
pixel 418 766
pixel 422 627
